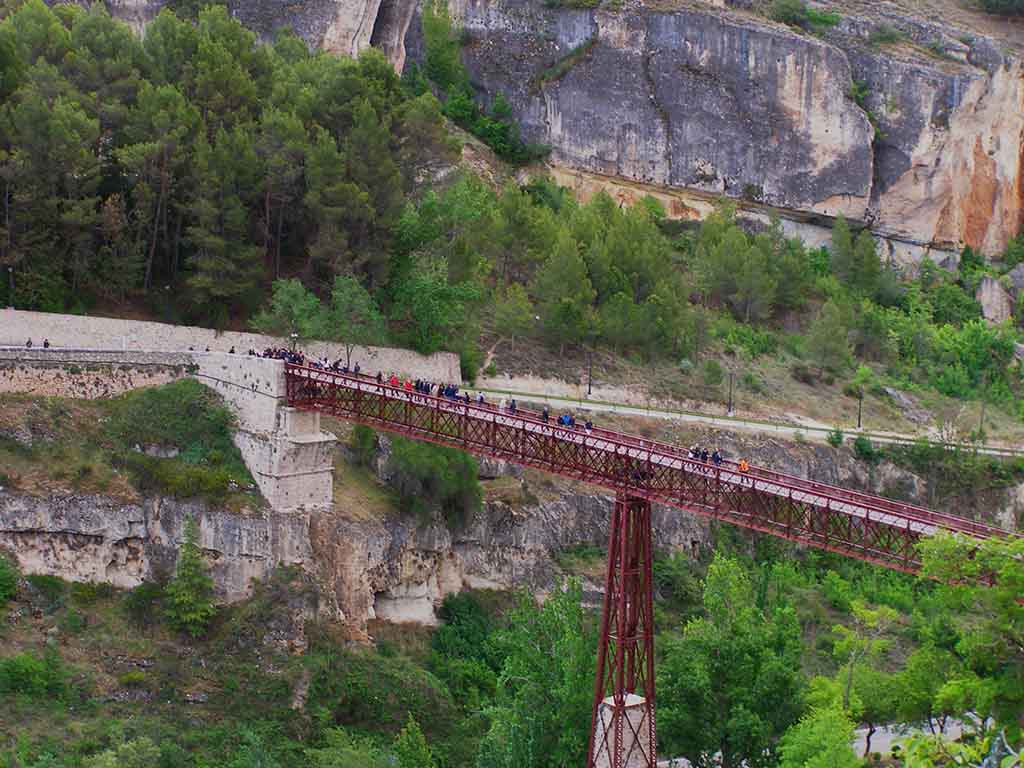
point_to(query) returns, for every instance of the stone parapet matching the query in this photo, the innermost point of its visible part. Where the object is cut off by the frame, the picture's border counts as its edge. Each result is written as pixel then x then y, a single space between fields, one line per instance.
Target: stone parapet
pixel 105 333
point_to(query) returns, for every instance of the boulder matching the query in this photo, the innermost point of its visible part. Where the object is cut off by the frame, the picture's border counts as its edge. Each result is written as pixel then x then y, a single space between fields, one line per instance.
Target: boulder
pixel 1015 278
pixel 996 302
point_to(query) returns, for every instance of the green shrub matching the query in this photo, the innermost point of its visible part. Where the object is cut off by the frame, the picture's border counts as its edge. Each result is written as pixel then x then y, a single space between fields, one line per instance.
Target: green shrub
pixel 432 477
pixel 72 622
pixel 142 604
pixel 885 34
pixel 752 383
pixel 685 367
pixel 712 373
pixel 49 589
pixel 835 437
pixel 89 592
pixel 28 674
pixel 816 18
pixel 364 445
pixel 752 340
pixel 135 678
pixel 471 358
pixel 8 580
pixel 803 373
pixel 1003 6
pixel 792 12
pixel 864 449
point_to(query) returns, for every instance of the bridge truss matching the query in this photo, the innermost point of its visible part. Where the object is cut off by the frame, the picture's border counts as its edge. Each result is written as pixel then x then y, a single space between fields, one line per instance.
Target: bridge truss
pixel 640 472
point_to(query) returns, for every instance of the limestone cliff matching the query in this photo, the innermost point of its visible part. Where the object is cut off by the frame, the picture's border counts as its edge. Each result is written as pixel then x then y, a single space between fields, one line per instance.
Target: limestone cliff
pixel 395 567
pixel 922 140
pixel 919 137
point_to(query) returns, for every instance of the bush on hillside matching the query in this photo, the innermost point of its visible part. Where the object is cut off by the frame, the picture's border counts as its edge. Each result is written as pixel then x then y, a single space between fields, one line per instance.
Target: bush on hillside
pixel 1003 6
pixel 189 595
pixel 28 674
pixel 8 580
pixel 430 477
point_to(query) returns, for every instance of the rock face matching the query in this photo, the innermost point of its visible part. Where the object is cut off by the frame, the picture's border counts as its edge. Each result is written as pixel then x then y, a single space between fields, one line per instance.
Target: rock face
pixel 397 568
pixel 924 145
pixel 921 140
pixel 996 302
pixel 94 538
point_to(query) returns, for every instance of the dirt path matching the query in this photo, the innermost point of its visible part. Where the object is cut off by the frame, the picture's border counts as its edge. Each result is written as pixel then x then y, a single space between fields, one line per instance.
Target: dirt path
pixel 813 432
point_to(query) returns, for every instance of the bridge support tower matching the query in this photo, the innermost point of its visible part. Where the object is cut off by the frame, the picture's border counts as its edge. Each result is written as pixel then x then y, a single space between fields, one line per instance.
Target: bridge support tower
pixel 622 731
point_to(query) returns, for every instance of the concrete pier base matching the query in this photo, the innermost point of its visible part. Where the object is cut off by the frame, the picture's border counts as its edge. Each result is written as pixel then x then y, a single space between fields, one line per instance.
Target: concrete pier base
pixel 637 747
pixel 293 465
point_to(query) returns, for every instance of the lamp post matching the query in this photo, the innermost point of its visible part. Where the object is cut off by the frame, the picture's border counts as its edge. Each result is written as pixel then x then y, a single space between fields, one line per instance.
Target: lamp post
pixel 732 376
pixel 860 405
pixel 10 287
pixel 295 338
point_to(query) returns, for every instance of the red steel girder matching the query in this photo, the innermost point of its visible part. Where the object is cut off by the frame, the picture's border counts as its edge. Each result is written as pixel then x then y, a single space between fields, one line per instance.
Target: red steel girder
pixel 851 523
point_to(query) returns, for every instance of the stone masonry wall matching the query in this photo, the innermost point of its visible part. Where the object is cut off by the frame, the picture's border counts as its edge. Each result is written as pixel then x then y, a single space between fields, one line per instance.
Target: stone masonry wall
pixel 99 333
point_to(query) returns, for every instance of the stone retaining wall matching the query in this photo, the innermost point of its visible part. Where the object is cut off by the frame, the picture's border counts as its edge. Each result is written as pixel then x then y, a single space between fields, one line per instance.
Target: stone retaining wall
pixel 99 333
pixel 87 374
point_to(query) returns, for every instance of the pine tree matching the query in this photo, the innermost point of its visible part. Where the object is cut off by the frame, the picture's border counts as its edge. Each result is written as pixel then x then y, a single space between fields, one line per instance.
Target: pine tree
pixel 513 314
pixel 411 747
pixel 828 341
pixel 565 293
pixel 189 594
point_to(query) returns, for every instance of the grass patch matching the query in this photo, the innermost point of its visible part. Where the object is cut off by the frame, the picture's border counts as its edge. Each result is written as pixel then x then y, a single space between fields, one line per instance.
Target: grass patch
pixel 561 67
pixel 582 560
pixel 885 34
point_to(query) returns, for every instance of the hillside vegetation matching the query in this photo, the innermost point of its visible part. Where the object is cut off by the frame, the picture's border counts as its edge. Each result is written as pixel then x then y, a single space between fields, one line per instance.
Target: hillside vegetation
pixel 174 440
pixel 769 658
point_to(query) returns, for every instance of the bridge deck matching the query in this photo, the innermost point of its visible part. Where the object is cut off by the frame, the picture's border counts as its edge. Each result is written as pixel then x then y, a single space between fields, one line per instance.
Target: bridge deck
pixel 828 517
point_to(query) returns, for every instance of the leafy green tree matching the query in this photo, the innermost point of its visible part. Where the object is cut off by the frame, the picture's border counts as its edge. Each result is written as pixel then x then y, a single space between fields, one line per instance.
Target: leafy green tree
pixel 545 686
pixel 828 340
pixel 443 56
pixel 731 685
pixel 925 673
pixel 866 270
pixel 292 310
pixel 340 211
pixel 189 595
pixel 160 129
pixel 565 294
pixel 430 311
pixel 989 618
pixel 411 747
pixel 862 642
pixel 842 259
pixel 352 318
pixel 281 147
pixel 821 739
pixel 513 313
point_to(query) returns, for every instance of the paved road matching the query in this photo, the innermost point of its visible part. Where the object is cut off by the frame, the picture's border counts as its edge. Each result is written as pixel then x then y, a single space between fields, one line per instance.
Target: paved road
pixel 817 434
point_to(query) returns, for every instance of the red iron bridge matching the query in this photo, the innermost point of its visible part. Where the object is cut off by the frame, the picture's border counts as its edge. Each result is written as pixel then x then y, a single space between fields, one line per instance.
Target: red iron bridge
pixel 640 472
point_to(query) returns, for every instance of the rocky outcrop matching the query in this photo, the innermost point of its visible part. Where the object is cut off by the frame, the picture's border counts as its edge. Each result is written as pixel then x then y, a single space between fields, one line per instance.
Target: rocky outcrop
pixel 399 568
pixel 996 302
pixel 922 143
pixel 1015 280
pixel 95 538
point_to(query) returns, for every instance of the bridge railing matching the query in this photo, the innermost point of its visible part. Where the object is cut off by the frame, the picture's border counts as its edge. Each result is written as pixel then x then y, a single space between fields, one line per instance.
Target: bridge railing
pixel 654 450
